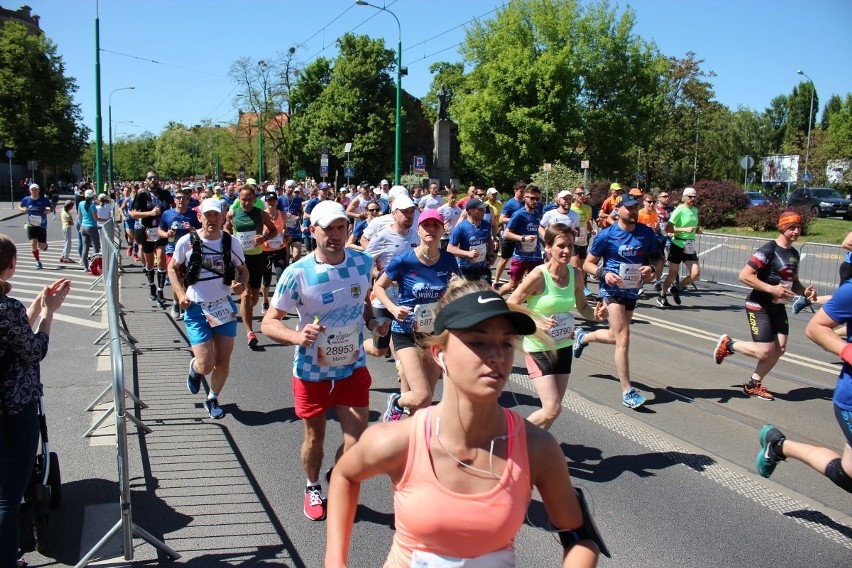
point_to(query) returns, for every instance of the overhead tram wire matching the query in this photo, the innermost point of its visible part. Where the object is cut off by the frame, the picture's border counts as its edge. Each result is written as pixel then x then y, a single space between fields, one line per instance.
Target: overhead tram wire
pixel 452 29
pixel 164 64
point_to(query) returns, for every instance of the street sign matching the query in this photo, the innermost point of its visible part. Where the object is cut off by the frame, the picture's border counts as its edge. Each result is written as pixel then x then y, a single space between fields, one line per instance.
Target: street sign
pixel 324 171
pixel 10 154
pixel 584 164
pixel 348 171
pixel 746 162
pixel 324 161
pixel 348 147
pixel 324 151
pixel 806 177
pixel 32 164
pixel 301 174
pixel 420 165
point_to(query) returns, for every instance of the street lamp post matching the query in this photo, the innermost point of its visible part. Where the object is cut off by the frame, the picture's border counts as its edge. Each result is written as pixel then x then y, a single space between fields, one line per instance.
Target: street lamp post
pixel 109 119
pixel 398 149
pixel 810 123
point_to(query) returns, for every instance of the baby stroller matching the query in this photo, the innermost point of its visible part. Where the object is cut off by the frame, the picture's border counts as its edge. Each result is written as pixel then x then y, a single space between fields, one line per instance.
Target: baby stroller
pixel 43 493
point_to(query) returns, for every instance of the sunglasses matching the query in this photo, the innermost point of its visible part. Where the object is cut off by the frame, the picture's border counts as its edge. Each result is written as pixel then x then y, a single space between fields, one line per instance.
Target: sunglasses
pixel 152 177
pixel 373 210
pixel 532 197
pixel 180 197
pixel 649 201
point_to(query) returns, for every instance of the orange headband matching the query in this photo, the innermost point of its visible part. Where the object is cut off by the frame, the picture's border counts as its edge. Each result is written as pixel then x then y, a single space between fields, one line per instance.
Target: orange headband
pixel 788 218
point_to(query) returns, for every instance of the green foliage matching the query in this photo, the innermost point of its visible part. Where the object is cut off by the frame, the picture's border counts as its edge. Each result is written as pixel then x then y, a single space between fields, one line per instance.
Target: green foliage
pixel 559 178
pixel 175 152
pixel 357 104
pixel 39 119
pixel 450 76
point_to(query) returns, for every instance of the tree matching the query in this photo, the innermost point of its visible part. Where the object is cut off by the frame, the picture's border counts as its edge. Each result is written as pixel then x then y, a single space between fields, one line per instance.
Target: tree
pixel 351 100
pixel 547 83
pixel 833 106
pixel 450 77
pixel 175 151
pixel 799 117
pixel 40 121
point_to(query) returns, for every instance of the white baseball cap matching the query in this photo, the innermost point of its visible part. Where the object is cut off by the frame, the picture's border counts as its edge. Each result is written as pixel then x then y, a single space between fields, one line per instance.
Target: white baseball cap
pixel 563 194
pixel 384 182
pixel 690 191
pixel 210 204
pixel 491 191
pixel 402 202
pixel 290 183
pixel 326 212
pixel 34 186
pixel 396 191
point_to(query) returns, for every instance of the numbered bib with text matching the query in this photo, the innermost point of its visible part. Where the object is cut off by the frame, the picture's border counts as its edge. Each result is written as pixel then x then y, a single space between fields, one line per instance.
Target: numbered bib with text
pixel 338 346
pixel 563 330
pixel 689 247
pixel 424 318
pixel 276 242
pixel 583 238
pixel 152 235
pixel 498 559
pixel 631 278
pixel 34 220
pixel 246 238
pixel 218 312
pixel 528 246
pixel 480 249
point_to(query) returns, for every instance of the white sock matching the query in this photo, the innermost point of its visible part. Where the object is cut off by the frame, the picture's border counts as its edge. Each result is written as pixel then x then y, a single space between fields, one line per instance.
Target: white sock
pixel 213 395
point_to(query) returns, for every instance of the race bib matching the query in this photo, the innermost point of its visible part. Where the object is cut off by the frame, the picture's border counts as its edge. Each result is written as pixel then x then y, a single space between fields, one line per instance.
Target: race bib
pixel 688 247
pixel 480 249
pixel 528 246
pixel 424 318
pixel 246 239
pixel 152 235
pixel 276 242
pixel 218 312
pixel 499 559
pixel 663 225
pixel 338 346
pixel 631 278
pixel 583 238
pixel 563 330
pixel 291 222
pixel 34 220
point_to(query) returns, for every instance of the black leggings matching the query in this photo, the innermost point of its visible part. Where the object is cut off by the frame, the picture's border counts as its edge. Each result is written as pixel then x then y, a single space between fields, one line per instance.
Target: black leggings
pixel 276 261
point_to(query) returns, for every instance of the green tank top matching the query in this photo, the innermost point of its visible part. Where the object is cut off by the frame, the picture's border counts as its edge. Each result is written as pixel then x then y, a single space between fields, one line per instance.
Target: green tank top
pixel 555 301
pixel 246 226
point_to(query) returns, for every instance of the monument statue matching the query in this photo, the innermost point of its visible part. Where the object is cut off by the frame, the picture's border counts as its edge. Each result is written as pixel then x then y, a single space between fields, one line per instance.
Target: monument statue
pixel 443 95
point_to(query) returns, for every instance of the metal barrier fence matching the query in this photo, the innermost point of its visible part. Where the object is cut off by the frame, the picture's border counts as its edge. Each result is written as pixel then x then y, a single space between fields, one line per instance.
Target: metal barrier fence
pixel 111 260
pixel 721 258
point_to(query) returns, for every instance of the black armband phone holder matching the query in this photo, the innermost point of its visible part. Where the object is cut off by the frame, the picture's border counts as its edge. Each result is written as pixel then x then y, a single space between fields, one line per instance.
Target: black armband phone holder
pixel 586 532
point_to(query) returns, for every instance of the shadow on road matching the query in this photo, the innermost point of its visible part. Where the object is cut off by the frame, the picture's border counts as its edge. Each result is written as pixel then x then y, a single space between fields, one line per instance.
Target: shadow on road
pixel 581 461
pixel 820 519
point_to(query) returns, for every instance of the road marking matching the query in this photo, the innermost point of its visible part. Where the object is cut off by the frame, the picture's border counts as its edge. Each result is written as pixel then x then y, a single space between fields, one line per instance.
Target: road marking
pixel 79 321
pixel 750 487
pixel 800 360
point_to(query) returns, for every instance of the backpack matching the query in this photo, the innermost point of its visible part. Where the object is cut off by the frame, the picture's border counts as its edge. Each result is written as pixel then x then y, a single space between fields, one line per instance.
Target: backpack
pixel 193 270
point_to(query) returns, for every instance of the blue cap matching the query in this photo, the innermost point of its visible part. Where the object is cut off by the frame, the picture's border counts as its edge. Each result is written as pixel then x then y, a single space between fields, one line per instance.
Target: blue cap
pixel 626 200
pixel 322 185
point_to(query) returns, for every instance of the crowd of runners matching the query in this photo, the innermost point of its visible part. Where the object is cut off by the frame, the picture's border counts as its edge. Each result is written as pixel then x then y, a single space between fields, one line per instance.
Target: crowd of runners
pixel 347 273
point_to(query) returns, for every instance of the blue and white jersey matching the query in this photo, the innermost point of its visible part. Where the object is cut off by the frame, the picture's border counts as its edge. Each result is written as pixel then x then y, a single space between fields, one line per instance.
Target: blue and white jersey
pixel 294 212
pixel 467 236
pixel 624 253
pixel 36 210
pixel 525 223
pixel 332 296
pixel 420 288
pixel 183 223
pixel 283 204
pixel 839 309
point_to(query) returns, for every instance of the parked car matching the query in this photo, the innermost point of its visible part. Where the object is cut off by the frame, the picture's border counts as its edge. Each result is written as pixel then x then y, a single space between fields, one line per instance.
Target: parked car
pixel 822 201
pixel 756 198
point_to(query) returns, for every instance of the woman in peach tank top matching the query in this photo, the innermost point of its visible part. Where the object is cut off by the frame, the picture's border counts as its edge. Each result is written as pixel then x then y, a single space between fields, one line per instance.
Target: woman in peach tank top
pixel 462 471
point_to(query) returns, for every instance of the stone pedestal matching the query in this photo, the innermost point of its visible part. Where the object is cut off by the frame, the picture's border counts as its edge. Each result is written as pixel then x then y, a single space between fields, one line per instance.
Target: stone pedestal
pixel 441 153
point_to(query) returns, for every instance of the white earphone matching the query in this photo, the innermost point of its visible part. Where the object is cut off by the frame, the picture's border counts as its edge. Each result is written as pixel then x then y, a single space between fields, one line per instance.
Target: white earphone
pixel 441 359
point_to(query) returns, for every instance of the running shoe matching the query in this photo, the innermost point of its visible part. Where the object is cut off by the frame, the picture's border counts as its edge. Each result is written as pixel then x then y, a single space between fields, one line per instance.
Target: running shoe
pixel 251 338
pixel 193 380
pixel 632 399
pixel 175 311
pixel 135 258
pixel 212 406
pixel 641 292
pixel 264 308
pixel 756 389
pixel 675 291
pixel 314 503
pixel 579 334
pixel 770 450
pixel 663 302
pixel 129 251
pixel 658 285
pixel 39 265
pixel 328 475
pixel 161 299
pixel 393 411
pixel 152 292
pixel 800 304
pixel 722 350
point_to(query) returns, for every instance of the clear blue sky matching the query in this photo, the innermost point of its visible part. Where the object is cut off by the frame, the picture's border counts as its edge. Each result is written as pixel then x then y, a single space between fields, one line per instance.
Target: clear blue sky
pixel 754 46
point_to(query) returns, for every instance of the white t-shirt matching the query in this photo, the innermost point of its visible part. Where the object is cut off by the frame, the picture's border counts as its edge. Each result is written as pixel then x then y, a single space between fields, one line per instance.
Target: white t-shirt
pixel 451 217
pixel 380 224
pixel 430 202
pixel 572 219
pixel 104 213
pixel 210 286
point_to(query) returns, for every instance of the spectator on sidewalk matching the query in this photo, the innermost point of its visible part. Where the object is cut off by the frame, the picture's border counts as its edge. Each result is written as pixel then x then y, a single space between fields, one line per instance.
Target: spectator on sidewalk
pixel 24 338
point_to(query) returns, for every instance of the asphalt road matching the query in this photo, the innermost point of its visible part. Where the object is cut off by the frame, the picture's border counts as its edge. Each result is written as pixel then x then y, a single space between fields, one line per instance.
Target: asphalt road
pixel 671 485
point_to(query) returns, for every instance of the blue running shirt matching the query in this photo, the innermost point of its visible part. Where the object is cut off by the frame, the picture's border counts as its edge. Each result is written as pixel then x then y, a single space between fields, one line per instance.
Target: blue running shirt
pixel 623 252
pixel 419 285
